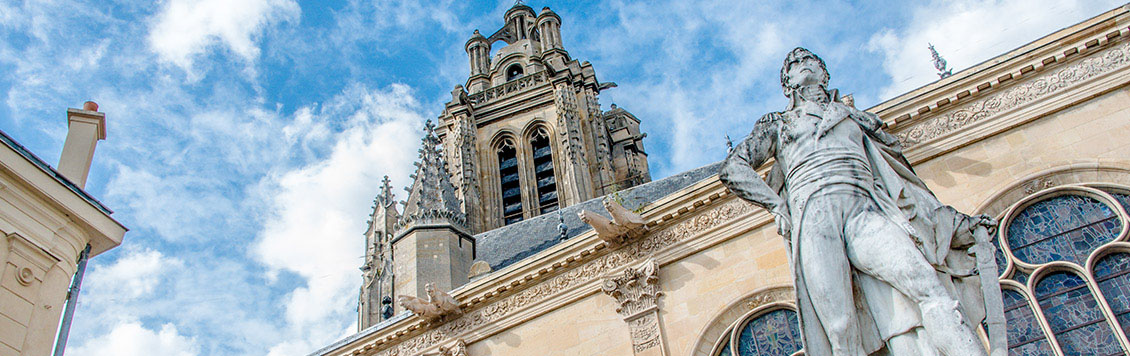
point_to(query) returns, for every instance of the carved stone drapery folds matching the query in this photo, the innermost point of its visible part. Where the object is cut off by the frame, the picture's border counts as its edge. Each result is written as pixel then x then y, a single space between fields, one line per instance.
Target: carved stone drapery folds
pixel 636 289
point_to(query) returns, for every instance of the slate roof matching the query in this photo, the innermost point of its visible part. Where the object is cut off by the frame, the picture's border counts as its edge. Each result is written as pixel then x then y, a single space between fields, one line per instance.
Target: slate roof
pixel 503 246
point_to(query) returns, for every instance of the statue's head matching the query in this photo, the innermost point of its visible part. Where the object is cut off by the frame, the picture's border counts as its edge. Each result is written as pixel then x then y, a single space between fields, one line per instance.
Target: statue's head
pixel 802 68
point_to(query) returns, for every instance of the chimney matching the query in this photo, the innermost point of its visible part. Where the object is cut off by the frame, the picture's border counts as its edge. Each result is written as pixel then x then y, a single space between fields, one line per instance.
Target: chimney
pixel 84 128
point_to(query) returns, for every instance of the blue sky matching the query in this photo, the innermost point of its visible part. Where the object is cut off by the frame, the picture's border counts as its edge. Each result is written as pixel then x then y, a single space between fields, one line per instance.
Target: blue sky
pixel 246 139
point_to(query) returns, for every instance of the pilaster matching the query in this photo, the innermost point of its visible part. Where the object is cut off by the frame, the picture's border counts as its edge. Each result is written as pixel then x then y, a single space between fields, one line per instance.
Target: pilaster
pixel 636 289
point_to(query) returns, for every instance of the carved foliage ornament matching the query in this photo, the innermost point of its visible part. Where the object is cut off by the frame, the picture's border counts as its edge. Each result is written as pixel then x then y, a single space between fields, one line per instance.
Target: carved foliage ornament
pixel 1021 94
pixel 636 289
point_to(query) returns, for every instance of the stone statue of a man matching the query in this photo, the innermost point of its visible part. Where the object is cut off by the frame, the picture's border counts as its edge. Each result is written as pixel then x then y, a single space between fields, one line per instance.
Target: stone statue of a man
pixel 880 264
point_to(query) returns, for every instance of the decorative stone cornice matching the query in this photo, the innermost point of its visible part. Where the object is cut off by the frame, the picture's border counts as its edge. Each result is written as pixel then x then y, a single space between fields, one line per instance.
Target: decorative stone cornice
pixel 1023 93
pixel 585 266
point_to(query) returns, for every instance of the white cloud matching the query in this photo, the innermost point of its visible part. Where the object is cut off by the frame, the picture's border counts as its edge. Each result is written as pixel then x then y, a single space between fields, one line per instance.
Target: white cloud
pixel 132 339
pixel 316 212
pixel 131 276
pixel 969 32
pixel 186 28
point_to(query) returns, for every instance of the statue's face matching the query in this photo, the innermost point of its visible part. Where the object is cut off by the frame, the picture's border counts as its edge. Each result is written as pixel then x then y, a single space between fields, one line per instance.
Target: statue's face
pixel 807 71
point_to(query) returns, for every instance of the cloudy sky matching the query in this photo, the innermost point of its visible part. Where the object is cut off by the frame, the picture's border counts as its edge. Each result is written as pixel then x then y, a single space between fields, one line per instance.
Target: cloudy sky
pixel 247 138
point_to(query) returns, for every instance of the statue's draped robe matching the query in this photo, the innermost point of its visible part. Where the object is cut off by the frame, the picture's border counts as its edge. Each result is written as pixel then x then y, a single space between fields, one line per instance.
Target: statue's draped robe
pixel 942 235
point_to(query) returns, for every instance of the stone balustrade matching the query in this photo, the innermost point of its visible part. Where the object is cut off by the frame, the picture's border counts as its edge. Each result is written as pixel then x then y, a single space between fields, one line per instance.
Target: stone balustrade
pixel 505 89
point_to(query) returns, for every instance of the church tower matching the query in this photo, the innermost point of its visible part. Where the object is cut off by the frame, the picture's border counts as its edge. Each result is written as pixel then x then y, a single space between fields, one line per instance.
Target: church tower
pixel 525 134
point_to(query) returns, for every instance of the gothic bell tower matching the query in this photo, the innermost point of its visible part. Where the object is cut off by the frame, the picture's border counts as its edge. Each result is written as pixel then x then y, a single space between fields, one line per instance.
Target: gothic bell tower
pixel 525 134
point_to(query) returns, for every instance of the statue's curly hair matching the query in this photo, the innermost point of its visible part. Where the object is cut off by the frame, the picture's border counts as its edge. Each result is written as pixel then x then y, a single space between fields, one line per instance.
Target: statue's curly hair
pixel 799 54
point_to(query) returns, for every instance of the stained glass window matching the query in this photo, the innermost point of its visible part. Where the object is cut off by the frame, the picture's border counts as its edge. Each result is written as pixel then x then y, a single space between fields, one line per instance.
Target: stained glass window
pixel 1063 228
pixel 1067 228
pixel 773 333
pixel 1113 276
pixel 1024 334
pixel 1074 316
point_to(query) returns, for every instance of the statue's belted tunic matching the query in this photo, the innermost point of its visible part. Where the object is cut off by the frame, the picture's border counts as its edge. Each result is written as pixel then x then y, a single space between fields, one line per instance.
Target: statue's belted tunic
pixel 842 191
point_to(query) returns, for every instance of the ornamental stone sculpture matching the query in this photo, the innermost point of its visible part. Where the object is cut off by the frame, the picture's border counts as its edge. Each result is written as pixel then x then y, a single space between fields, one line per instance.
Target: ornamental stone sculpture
pixel 438 305
pixel 880 265
pixel 624 225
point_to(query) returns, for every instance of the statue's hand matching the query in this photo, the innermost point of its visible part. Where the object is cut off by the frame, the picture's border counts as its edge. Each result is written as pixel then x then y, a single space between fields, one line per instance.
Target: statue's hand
pixel 784 224
pixel 987 221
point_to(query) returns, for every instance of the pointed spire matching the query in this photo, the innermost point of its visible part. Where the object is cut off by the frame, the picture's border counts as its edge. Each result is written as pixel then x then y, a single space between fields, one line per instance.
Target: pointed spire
pixel 939 63
pixel 385 198
pixel 431 197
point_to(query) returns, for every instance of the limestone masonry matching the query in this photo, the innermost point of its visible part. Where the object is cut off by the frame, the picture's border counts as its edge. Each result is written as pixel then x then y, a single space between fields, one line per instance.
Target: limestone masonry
pixel 1035 138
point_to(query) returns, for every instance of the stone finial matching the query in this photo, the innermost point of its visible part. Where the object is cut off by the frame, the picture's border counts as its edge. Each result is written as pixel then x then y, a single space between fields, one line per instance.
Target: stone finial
pixel 431 197
pixel 436 307
pixel 479 269
pixel 562 229
pixel 939 63
pixel 624 225
pixel 385 198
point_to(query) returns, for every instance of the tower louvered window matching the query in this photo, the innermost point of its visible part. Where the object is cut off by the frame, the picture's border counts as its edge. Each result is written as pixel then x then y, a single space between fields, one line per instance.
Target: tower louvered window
pixel 510 187
pixel 543 172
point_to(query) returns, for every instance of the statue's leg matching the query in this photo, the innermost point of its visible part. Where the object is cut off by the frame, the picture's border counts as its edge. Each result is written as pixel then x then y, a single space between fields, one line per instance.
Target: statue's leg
pixel 880 248
pixel 827 276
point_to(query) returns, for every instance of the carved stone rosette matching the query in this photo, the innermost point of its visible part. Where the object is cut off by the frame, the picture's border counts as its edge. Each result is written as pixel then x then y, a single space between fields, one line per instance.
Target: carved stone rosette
pixel 637 292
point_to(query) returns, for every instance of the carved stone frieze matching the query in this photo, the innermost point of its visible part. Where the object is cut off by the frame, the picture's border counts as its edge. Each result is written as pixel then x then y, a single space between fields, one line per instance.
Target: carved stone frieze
pixel 1038 184
pixel 769 296
pixel 569 278
pixel 1021 94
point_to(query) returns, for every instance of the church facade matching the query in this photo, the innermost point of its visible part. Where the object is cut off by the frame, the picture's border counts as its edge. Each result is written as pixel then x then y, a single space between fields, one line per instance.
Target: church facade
pixel 1034 137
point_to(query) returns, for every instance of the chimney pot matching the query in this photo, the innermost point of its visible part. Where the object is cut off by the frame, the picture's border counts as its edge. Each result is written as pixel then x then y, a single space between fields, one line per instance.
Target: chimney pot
pixel 90 106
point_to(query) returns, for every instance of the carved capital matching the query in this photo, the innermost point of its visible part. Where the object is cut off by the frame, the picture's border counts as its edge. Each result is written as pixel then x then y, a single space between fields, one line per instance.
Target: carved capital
pixel 636 289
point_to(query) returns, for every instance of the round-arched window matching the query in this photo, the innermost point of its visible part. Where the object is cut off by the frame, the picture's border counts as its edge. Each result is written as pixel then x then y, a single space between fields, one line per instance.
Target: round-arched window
pixel 774 331
pixel 1066 271
pixel 513 72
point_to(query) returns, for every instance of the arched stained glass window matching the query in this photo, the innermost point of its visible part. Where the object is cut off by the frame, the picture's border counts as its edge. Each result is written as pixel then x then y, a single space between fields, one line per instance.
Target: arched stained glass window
pixel 1050 239
pixel 1024 334
pixel 1112 273
pixel 775 332
pixel 1063 228
pixel 1074 315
